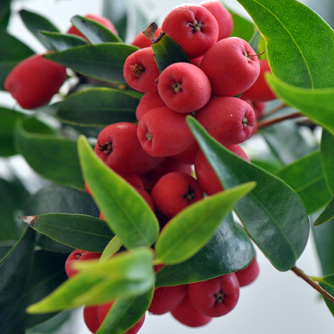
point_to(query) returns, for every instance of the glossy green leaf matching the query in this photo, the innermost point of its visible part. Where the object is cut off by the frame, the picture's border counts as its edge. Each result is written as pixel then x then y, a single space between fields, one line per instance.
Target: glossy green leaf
pixel 275 137
pixel 288 27
pixel 327 158
pixel 327 283
pixel 8 119
pixel 15 49
pixel 125 313
pixel 13 267
pixel 102 61
pixel 127 213
pixel 95 32
pixel 316 104
pixel 35 23
pixel 125 275
pixel 47 273
pixel 167 51
pixel 193 227
pixel 242 27
pixel 61 42
pixel 52 157
pixel 306 177
pixel 229 250
pixel 76 231
pixel 98 107
pixel 327 214
pixel 324 242
pixel 273 214
pixel 117 12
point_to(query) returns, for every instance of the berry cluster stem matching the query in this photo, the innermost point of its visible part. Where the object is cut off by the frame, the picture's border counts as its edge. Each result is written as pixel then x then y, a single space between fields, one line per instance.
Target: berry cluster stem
pixel 312 283
pixel 269 122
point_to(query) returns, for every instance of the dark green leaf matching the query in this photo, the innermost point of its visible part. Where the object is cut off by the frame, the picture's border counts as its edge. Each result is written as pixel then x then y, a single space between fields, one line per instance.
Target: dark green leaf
pixel 4 13
pixel 47 273
pixel 125 275
pixel 288 27
pixel 273 214
pixel 8 119
pixel 324 241
pixel 95 32
pixel 127 213
pixel 76 231
pixel 327 158
pixel 15 49
pixel 316 104
pixel 327 283
pixel 242 27
pixel 229 250
pixel 327 214
pixel 98 107
pixel 305 176
pixel 276 135
pixel 61 42
pixel 103 61
pixel 193 227
pixel 125 313
pixel 5 247
pixel 52 157
pixel 117 12
pixel 13 267
pixel 35 23
pixel 167 51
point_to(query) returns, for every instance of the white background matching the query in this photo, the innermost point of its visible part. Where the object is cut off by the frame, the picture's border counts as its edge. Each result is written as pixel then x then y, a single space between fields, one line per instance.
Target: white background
pixel 277 302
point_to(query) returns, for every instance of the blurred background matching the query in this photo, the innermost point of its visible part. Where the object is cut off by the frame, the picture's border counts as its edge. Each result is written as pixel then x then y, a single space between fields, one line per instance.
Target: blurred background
pixel 276 302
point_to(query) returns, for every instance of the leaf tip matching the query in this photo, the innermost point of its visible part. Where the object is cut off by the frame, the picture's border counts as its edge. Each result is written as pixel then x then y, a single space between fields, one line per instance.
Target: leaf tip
pixel 30 220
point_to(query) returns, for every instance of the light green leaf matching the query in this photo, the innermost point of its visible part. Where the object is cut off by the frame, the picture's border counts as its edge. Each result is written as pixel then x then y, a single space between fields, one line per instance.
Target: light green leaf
pixel 327 158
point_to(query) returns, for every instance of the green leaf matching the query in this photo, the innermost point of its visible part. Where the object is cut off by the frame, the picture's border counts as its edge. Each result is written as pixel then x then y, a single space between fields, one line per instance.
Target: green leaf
pixel 15 49
pixel 76 231
pixel 316 104
pixel 127 213
pixel 229 250
pixel 35 23
pixel 124 275
pixel 125 313
pixel 4 13
pixel 305 176
pixel 273 214
pixel 98 107
pixel 47 273
pixel 324 241
pixel 95 32
pixel 242 27
pixel 52 157
pixel 327 283
pixel 327 158
pixel 8 119
pixel 167 51
pixel 61 42
pixel 193 227
pixel 102 61
pixel 13 267
pixel 288 27
pixel 327 214
pixel 117 12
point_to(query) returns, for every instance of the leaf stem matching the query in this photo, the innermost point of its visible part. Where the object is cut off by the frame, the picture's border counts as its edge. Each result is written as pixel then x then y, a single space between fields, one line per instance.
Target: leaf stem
pixel 113 246
pixel 269 122
pixel 313 284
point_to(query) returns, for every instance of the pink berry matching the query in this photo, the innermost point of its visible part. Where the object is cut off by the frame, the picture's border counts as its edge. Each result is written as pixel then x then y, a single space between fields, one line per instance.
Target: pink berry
pixel 249 274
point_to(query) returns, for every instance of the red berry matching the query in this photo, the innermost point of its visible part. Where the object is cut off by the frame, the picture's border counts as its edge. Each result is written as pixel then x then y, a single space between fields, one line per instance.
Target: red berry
pixel 193 27
pixel 140 70
pixel 34 81
pixel 141 41
pixel 249 274
pixel 231 66
pixel 230 120
pixel 188 315
pixel 78 255
pixel 165 299
pixel 91 318
pixel 184 87
pixel 163 132
pixel 118 146
pixel 222 15
pixel 174 192
pixel 215 297
pixel 147 102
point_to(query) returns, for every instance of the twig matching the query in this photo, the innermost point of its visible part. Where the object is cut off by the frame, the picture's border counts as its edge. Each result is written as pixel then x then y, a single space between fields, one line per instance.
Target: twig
pixel 265 123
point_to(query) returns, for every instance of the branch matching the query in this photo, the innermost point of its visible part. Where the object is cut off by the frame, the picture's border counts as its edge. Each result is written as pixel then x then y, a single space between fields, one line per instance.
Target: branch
pixel 263 124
